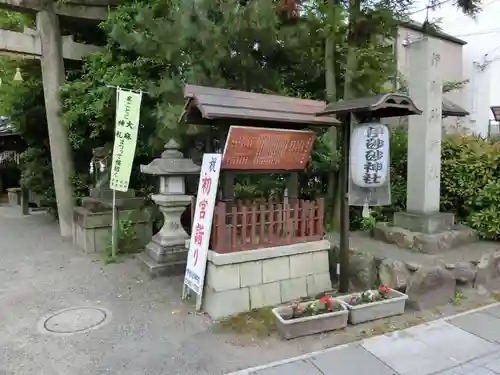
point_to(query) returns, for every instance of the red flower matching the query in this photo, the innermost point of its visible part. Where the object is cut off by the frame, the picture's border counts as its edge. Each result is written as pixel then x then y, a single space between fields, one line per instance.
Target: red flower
pixel 328 300
pixel 353 299
pixel 383 289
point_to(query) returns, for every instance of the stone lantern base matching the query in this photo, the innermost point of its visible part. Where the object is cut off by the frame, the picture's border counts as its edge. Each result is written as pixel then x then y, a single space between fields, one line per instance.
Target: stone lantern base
pixel 166 254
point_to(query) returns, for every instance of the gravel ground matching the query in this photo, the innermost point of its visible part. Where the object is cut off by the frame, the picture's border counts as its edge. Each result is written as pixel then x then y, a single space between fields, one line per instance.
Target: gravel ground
pixel 149 331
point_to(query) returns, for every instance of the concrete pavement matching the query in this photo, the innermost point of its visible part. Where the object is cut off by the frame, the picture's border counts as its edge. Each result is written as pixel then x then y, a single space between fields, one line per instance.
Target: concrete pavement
pixel 467 343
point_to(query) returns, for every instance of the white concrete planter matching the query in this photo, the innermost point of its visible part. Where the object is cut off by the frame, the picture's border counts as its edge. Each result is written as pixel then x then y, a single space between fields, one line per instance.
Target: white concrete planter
pixel 375 310
pixel 309 325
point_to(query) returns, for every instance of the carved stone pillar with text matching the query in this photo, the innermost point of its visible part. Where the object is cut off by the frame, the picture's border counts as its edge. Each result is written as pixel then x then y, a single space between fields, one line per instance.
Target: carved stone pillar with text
pixel 166 254
pixel 423 227
pixel 424 141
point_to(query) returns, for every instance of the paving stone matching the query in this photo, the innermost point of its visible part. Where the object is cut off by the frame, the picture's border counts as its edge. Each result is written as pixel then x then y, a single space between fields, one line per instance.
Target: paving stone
pixel 475 371
pixel 494 365
pixel 481 371
pixel 479 362
pixel 493 311
pixel 352 359
pixel 452 371
pixel 428 348
pixel 480 324
pixel 301 367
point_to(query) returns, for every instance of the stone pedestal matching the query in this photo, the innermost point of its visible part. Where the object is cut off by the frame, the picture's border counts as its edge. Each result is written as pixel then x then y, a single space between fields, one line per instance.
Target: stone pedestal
pixel 243 281
pixel 432 223
pixel 14 196
pixel 92 222
pixel 92 230
pixel 166 253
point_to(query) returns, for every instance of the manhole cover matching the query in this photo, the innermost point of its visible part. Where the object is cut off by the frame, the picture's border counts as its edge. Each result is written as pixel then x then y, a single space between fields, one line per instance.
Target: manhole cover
pixel 75 320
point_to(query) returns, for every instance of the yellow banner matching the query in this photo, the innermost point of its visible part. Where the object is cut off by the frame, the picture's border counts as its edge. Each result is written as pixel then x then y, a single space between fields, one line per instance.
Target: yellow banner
pixel 128 107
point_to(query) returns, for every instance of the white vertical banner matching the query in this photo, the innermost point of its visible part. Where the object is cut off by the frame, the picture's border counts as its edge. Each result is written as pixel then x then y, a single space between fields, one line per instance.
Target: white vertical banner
pixel 202 223
pixel 128 108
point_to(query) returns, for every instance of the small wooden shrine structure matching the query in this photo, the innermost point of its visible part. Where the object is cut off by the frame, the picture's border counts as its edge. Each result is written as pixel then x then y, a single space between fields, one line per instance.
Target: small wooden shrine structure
pixel 237 225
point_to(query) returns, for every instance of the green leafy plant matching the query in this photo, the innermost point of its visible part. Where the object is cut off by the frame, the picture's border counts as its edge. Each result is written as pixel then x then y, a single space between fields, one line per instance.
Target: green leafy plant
pixel 368 223
pixel 457 299
pixel 370 296
pixel 127 237
pixel 325 304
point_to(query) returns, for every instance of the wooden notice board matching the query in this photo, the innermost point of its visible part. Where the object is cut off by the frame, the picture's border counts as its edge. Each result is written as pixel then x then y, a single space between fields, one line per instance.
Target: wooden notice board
pixel 254 149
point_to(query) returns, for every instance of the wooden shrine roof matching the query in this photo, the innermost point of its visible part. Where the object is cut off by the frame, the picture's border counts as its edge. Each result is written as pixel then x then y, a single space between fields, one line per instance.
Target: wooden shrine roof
pixel 209 105
pixel 379 106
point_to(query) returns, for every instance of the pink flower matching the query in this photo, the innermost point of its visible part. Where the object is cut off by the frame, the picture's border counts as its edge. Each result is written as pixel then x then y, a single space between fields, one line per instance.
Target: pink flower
pixel 324 299
pixel 328 300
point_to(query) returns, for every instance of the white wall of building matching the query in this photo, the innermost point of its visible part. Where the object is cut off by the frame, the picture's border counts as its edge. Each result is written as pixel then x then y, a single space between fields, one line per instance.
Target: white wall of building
pixel 483 46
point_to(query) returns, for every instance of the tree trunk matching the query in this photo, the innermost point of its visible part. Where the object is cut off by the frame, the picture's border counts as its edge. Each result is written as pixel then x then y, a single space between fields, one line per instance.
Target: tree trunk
pixel 351 64
pixel 331 96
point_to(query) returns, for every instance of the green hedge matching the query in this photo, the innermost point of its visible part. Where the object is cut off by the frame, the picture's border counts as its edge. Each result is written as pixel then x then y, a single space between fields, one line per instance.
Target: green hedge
pixel 470 182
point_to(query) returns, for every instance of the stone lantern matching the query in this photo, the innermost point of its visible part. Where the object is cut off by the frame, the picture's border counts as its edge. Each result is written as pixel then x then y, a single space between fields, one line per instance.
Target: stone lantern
pixel 166 254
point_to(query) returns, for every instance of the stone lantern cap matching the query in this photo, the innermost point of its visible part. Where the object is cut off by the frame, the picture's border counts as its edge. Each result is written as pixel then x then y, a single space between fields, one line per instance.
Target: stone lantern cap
pixel 171 163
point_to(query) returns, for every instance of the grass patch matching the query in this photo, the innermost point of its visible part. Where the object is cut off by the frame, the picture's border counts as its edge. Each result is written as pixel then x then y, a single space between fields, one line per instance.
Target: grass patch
pixel 496 296
pixel 259 322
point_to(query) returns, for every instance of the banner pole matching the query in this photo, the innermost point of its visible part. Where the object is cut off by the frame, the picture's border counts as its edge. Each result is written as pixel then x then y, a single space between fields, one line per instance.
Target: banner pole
pixel 114 229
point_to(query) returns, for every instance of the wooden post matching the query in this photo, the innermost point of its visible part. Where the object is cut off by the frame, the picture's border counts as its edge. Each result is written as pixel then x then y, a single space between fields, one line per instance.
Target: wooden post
pixel 344 209
pixel 293 187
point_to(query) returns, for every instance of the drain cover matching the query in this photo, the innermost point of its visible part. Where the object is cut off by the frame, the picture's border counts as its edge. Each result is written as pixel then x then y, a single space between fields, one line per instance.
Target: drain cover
pixel 75 320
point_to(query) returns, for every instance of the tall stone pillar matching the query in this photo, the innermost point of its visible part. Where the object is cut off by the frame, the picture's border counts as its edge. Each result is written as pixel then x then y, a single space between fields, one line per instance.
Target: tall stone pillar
pixel 53 77
pixel 424 141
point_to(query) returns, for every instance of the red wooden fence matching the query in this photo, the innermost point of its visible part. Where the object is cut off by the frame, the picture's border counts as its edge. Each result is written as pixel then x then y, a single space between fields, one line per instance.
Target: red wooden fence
pixel 247 226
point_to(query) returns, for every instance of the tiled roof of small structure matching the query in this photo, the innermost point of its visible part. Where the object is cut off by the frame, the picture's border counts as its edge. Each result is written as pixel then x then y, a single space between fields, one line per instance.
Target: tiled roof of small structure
pixel 452 109
pixel 206 104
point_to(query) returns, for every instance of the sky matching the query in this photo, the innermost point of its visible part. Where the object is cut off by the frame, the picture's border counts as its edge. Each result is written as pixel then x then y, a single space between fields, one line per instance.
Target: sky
pixel 481 34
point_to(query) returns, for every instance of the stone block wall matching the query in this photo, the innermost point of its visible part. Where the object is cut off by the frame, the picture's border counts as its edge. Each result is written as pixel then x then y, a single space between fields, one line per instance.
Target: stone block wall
pixel 92 230
pixel 242 281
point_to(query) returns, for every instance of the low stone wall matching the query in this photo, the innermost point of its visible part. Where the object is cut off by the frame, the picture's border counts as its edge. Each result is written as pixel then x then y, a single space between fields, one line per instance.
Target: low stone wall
pixel 427 284
pixel 242 281
pixel 92 230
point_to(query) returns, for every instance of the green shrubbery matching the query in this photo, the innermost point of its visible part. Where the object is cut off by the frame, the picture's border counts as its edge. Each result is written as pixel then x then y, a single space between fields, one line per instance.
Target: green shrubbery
pixel 470 181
